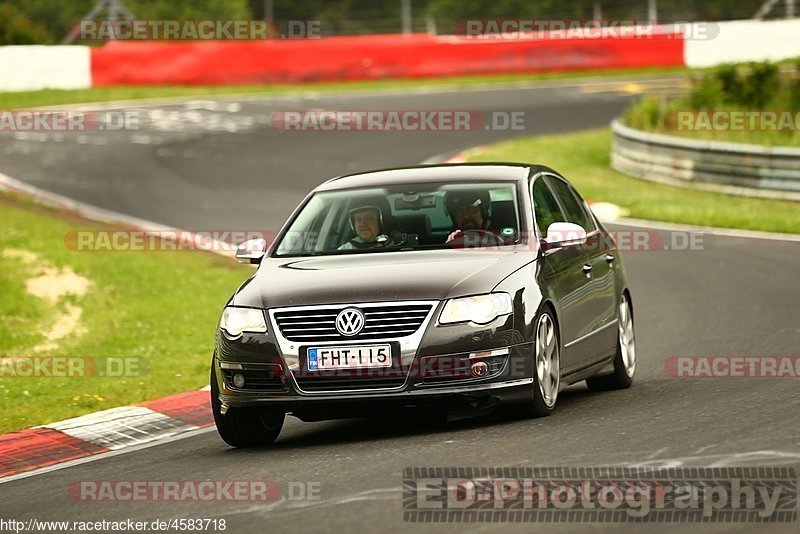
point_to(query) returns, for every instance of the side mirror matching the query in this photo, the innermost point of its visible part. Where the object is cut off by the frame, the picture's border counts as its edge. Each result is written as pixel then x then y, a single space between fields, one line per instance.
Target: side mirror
pixel 251 251
pixel 563 234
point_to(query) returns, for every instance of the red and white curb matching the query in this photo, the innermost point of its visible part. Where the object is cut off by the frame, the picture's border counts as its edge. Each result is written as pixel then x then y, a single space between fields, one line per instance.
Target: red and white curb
pixel 103 432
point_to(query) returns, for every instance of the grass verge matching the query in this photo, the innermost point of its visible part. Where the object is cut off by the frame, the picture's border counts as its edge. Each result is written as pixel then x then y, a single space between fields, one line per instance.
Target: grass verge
pixel 584 159
pixel 53 97
pixel 160 308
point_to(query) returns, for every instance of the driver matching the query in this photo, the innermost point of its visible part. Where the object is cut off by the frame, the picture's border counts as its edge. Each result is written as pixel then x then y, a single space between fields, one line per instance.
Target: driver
pixel 469 210
pixel 367 223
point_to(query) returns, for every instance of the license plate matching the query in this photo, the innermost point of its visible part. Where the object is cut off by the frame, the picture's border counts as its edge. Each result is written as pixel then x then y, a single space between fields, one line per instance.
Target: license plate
pixel 351 357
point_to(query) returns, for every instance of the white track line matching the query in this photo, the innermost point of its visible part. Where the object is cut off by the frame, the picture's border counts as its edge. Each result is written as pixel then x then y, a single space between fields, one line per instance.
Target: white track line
pixel 95 213
pixel 332 94
pixel 726 232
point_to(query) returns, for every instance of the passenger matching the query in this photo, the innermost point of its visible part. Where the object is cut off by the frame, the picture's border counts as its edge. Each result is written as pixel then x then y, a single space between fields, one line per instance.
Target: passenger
pixel 469 210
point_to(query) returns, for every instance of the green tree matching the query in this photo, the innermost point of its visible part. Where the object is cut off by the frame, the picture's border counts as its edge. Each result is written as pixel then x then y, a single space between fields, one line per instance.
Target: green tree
pixel 17 29
pixel 196 9
pixel 382 16
pixel 57 16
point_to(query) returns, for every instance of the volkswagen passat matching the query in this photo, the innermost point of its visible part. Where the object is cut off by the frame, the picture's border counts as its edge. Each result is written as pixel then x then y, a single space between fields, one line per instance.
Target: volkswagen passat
pixel 447 287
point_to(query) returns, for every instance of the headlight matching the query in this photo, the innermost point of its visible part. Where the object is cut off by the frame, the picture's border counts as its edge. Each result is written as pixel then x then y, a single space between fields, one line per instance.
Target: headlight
pixel 234 321
pixel 480 309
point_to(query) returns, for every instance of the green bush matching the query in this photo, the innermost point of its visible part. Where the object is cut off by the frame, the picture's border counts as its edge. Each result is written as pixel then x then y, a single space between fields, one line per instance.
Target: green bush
pixel 745 87
pixel 729 82
pixel 646 114
pixel 793 92
pixel 751 86
pixel 759 86
pixel 707 92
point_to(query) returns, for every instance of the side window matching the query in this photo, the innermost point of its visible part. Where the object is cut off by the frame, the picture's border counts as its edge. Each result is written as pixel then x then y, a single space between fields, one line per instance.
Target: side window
pixel 545 208
pixel 574 210
pixel 590 224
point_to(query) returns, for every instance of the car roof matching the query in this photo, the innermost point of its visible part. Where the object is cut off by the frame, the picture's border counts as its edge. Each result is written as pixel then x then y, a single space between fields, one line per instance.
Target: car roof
pixel 456 172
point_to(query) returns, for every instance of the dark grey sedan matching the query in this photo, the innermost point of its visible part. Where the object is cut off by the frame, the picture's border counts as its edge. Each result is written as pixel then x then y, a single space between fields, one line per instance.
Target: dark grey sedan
pixel 448 288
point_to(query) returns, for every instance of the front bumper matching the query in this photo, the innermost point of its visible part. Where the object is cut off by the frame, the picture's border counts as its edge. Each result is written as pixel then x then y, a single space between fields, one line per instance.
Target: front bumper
pixel 509 379
pixel 507 390
pixel 435 367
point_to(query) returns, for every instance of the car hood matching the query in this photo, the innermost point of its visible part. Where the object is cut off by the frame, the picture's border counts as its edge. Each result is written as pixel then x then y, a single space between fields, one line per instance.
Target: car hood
pixel 388 276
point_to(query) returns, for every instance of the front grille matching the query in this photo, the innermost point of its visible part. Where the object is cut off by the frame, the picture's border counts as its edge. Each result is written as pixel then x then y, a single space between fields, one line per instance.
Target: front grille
pixel 356 378
pixel 325 383
pixel 319 324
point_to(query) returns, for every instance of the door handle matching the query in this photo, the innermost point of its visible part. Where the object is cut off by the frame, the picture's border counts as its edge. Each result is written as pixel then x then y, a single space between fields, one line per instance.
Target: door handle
pixel 610 258
pixel 586 268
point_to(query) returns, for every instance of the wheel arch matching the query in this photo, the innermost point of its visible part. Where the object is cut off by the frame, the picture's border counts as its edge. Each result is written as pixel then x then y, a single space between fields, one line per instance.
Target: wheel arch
pixel 547 303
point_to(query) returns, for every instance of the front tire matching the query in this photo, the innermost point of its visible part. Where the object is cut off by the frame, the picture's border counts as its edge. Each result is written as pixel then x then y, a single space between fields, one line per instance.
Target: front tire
pixel 245 427
pixel 546 366
pixel 625 359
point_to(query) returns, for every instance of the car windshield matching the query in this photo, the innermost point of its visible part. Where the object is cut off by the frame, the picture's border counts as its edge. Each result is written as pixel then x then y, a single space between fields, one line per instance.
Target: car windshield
pixel 405 217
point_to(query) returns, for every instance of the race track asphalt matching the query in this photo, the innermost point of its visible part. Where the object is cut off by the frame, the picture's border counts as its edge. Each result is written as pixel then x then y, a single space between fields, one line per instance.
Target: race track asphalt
pixel 735 297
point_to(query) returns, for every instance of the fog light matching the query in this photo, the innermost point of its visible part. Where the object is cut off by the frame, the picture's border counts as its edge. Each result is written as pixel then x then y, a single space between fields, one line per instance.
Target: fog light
pixel 238 380
pixel 478 369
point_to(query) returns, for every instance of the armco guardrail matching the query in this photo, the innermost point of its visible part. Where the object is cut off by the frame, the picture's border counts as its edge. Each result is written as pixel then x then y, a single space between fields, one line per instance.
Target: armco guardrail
pixel 736 168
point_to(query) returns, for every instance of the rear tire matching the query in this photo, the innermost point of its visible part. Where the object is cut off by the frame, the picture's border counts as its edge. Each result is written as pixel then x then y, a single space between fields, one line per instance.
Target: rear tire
pixel 245 427
pixel 625 359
